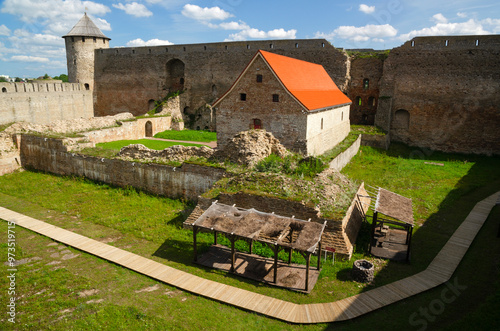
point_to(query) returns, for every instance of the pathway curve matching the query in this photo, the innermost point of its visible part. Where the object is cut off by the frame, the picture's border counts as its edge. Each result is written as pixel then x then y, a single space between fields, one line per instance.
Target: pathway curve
pixel 438 272
pixel 212 144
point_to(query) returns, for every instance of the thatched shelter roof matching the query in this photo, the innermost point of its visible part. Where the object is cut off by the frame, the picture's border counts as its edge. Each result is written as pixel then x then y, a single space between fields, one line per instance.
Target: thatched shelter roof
pixel 254 225
pixel 394 205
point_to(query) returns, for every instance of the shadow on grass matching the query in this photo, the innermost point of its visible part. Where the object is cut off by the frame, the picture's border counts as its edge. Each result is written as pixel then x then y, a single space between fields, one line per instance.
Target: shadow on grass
pixel 481 181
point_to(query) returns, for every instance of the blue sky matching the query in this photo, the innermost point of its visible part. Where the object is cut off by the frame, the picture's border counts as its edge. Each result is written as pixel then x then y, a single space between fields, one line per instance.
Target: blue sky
pixel 31 30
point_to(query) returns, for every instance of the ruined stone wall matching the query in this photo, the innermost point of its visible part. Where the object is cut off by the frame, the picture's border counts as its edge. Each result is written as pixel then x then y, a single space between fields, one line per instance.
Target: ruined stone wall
pixel 138 129
pixel 285 119
pixel 363 89
pixel 442 93
pixel 43 103
pixel 51 155
pixel 127 79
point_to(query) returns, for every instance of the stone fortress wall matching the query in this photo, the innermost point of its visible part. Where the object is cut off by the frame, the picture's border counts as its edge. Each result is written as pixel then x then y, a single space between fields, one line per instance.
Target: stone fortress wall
pixel 130 79
pixel 44 102
pixel 442 93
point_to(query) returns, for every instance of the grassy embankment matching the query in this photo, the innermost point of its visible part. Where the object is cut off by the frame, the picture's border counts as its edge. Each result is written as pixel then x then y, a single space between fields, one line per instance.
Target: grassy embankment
pixel 151 226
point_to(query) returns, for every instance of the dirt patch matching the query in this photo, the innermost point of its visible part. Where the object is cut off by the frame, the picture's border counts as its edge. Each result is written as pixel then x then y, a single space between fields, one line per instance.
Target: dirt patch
pixel 249 147
pixel 54 263
pixel 94 301
pixel 87 293
pixel 149 289
pixel 69 256
pixel 23 261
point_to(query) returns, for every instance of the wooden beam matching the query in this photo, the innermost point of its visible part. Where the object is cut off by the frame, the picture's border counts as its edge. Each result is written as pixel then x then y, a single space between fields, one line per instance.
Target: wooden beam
pixel 233 253
pixel 308 260
pixel 319 254
pixel 195 230
pixel 275 264
pixel 215 237
pixel 372 236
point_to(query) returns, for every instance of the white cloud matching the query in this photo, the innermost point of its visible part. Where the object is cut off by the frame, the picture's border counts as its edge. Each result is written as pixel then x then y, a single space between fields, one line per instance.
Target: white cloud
pixel 439 18
pixel 366 9
pixel 469 27
pixel 134 9
pixel 25 58
pixel 205 14
pixel 252 33
pixel 360 34
pixel 4 31
pixel 462 15
pixel 152 42
pixel 230 26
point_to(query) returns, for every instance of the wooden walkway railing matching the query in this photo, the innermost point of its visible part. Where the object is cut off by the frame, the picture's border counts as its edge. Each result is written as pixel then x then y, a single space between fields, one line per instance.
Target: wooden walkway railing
pixel 438 272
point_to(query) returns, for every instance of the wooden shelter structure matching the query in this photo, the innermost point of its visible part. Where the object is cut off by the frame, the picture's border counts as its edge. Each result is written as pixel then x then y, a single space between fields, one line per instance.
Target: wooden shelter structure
pixel 394 241
pixel 277 232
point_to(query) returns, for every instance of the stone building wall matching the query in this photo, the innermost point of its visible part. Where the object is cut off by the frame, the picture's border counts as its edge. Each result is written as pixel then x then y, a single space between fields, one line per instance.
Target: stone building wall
pixel 285 119
pixel 43 103
pixel 127 79
pixel 363 90
pixel 80 58
pixel 441 93
pixel 51 155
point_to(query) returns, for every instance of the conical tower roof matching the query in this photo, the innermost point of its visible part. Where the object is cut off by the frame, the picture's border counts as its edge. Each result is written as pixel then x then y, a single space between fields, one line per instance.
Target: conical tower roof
pixel 85 28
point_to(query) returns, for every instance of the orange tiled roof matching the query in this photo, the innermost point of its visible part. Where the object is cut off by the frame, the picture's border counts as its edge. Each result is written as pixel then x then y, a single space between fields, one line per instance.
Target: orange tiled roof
pixel 308 82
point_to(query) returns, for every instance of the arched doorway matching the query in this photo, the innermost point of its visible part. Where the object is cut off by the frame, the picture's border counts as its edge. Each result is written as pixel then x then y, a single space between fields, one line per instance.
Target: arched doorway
pixel 175 75
pixel 401 119
pixel 149 129
pixel 151 104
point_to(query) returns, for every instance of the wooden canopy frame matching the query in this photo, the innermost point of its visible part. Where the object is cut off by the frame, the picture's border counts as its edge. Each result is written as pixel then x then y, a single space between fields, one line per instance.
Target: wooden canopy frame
pixel 397 207
pixel 277 232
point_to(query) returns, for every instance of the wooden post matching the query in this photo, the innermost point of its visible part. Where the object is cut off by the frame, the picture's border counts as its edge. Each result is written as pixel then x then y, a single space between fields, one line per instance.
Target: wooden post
pixel 251 246
pixel 275 263
pixel 308 262
pixel 233 254
pixel 215 237
pixel 289 256
pixel 319 255
pixel 409 245
pixel 195 230
pixel 374 224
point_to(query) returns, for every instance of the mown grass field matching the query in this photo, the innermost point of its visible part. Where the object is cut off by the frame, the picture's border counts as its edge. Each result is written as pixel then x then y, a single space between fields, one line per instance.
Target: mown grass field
pixel 52 289
pixel 188 135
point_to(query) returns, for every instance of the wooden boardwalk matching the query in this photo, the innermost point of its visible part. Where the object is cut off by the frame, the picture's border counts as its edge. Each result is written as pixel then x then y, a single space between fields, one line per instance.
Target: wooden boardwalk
pixel 438 272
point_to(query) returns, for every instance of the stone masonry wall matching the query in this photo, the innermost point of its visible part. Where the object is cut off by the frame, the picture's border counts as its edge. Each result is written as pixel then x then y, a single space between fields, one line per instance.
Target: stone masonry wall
pixel 130 130
pixel 284 119
pixel 51 155
pixel 43 103
pixel 441 93
pixel 363 90
pixel 126 79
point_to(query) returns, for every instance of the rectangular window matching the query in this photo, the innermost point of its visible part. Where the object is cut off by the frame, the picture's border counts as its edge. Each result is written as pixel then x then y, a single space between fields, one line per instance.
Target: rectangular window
pixel 243 96
pixel 276 98
pixel 95 39
pixel 259 78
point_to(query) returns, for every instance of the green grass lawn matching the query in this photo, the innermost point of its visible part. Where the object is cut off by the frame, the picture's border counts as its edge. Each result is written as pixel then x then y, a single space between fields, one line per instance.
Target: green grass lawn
pixel 188 135
pixel 152 227
pixel 152 144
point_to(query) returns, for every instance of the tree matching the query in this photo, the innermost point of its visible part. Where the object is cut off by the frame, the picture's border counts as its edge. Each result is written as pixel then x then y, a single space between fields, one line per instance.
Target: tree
pixel 62 77
pixel 18 80
pixel 46 76
pixel 3 80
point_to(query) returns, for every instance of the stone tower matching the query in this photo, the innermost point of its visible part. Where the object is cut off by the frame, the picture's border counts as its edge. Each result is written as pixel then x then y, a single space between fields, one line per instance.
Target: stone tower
pixel 81 43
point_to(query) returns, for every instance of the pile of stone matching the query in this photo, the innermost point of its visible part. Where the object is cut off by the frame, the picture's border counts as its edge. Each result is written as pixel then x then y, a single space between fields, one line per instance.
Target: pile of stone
pixel 6 143
pixel 175 153
pixel 249 147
